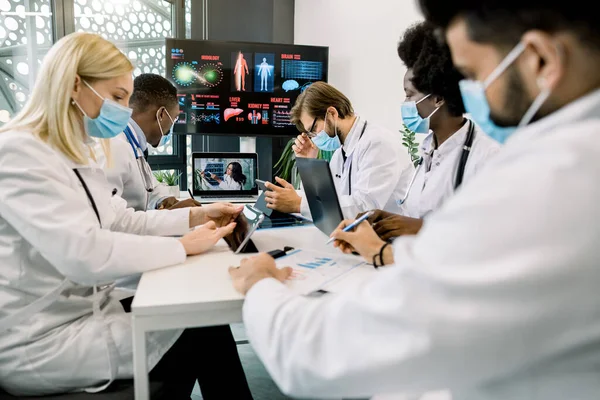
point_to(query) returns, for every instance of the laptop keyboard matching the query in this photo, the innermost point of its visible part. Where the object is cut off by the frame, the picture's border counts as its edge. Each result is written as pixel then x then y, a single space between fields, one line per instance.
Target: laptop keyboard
pixel 229 196
pixel 283 222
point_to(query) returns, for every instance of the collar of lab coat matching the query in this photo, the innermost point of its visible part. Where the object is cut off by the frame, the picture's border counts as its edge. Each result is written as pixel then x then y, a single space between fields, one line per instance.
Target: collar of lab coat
pixel 353 136
pixel 141 136
pixel 456 140
pixel 583 108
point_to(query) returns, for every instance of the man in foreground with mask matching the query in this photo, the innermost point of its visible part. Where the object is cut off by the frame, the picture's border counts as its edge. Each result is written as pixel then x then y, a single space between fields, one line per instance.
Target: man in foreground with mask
pixel 155 110
pixel 370 168
pixel 497 296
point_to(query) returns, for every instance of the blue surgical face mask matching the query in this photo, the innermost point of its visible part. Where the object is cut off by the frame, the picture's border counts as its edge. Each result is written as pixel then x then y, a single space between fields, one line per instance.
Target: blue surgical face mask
pixel 412 119
pixel 476 104
pixel 166 137
pixel 326 143
pixel 165 140
pixel 111 121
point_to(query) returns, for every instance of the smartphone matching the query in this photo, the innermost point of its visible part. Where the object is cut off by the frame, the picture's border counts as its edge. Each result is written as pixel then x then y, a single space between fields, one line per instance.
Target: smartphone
pixel 261 185
pixel 255 218
pixel 261 205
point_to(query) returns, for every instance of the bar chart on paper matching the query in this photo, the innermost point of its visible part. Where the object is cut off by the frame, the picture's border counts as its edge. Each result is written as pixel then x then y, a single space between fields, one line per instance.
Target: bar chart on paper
pixel 316 262
pixel 313 270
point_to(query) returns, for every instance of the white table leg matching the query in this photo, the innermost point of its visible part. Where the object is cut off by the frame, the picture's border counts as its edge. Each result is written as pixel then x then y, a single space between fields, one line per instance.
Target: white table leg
pixel 140 361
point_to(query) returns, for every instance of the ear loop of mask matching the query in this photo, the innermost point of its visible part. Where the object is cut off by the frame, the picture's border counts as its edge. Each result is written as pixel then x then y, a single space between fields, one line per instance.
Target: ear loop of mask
pixel 78 106
pixel 508 60
pixel 170 118
pixel 158 122
pixel 335 131
pixel 93 90
pixel 433 112
pixel 501 68
pixel 537 103
pixel 543 96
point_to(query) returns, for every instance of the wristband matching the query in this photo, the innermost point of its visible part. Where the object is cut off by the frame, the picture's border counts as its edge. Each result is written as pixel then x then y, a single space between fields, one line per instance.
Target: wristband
pixel 375 262
pixel 381 253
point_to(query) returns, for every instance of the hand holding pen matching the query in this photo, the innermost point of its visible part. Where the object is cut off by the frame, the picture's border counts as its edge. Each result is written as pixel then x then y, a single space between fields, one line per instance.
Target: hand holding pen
pixel 353 225
pixel 362 240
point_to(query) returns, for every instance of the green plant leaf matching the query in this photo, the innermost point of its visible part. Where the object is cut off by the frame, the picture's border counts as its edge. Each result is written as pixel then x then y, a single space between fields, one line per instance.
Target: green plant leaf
pixel 159 176
pixel 409 141
pixel 285 164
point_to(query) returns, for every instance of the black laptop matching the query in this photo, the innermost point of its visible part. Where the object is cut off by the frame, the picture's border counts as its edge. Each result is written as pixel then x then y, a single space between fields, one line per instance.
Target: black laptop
pixel 320 193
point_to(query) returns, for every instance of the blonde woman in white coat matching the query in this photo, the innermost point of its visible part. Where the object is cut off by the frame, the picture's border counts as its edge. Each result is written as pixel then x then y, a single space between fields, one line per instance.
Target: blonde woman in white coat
pixel 64 238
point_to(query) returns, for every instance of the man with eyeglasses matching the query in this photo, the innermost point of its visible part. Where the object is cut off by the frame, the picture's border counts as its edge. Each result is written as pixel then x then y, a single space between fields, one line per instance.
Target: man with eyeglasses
pixel 155 111
pixel 370 167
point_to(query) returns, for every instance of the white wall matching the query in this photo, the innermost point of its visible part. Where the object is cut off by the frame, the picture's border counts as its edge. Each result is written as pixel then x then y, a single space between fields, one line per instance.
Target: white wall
pixel 362 36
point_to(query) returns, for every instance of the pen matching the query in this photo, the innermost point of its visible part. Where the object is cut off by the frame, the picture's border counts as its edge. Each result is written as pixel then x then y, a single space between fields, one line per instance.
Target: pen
pixel 353 225
pixel 191 195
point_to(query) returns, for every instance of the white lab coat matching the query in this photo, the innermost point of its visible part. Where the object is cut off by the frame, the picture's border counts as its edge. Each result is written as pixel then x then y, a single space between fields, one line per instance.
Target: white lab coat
pixel 435 179
pixel 381 171
pixel 229 184
pixel 496 298
pixel 124 175
pixel 53 251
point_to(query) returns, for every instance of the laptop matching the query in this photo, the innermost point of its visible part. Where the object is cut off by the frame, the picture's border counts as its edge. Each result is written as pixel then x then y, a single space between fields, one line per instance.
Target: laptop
pixel 225 177
pixel 320 193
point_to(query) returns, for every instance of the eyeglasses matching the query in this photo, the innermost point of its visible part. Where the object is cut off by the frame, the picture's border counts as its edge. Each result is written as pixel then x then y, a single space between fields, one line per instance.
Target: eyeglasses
pixel 311 132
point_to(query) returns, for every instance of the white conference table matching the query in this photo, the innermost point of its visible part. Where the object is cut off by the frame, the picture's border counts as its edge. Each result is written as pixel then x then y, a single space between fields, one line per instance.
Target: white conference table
pixel 199 292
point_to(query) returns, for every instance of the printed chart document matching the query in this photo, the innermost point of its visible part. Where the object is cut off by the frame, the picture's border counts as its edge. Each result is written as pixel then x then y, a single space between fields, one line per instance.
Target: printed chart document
pixel 312 270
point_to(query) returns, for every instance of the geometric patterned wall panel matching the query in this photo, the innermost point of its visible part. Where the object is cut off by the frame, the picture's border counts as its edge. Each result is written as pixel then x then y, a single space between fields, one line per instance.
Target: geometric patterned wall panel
pixel 137 27
pixel 25 28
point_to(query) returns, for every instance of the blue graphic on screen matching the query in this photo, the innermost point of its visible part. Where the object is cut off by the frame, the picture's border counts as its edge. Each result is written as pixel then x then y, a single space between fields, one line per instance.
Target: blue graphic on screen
pixel 264 65
pixel 205 118
pixel 308 70
pixel 200 106
pixel 177 54
pixel 305 86
pixel 290 84
pixel 316 263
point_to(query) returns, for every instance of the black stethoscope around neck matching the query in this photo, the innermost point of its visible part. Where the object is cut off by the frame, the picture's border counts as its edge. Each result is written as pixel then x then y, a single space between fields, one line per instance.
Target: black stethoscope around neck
pixel 460 172
pixel 350 166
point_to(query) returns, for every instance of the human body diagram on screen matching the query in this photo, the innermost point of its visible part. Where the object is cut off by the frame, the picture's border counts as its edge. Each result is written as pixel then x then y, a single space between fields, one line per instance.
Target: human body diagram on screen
pixel 264 71
pixel 239 72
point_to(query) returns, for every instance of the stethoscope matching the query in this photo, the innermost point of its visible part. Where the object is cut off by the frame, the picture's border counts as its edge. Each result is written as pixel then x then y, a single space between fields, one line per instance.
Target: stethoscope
pixel 464 156
pixel 144 167
pixel 350 166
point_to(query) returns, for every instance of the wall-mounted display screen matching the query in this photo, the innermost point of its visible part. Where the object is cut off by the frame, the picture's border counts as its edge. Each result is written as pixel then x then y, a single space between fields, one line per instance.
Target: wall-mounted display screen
pixel 239 88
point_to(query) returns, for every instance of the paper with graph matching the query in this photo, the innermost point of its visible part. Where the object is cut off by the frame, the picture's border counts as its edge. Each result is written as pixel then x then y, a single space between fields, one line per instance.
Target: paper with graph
pixel 313 270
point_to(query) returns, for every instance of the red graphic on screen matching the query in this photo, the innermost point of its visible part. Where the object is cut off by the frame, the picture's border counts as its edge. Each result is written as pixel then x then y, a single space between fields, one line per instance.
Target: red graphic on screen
pixel 232 112
pixel 254 117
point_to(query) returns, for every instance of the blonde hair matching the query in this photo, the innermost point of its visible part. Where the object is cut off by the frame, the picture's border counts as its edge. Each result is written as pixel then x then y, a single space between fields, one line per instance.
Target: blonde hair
pixel 315 101
pixel 49 113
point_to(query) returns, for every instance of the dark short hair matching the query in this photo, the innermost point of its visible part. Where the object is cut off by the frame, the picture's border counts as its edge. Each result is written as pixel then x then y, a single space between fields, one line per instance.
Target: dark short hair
pixel 152 90
pixel 431 62
pixel 503 22
pixel 315 101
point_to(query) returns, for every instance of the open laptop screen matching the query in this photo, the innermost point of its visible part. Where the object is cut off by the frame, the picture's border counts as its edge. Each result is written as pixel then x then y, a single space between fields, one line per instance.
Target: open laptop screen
pixel 228 174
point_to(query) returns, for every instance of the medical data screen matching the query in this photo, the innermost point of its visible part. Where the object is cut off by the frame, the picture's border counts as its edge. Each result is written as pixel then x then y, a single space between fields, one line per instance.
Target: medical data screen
pixel 241 88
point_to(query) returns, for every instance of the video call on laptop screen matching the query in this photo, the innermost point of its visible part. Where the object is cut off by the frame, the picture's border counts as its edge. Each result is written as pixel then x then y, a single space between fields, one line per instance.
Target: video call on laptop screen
pixel 228 174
